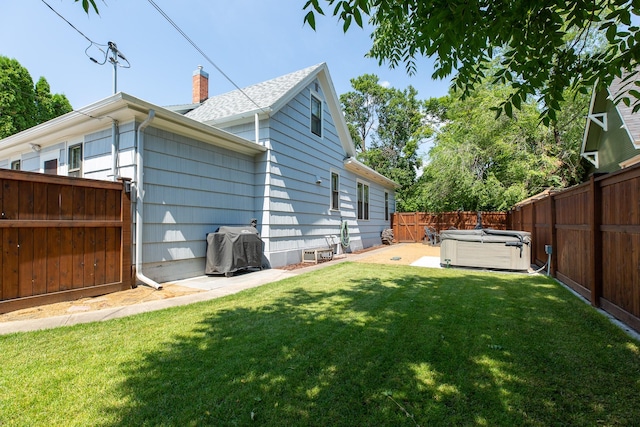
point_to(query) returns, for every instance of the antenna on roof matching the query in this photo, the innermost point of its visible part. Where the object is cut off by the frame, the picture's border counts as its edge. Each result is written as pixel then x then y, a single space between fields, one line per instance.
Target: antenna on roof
pixel 112 54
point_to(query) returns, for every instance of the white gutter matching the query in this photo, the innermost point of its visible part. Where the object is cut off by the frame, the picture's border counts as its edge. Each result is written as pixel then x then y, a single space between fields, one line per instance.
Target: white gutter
pixel 140 201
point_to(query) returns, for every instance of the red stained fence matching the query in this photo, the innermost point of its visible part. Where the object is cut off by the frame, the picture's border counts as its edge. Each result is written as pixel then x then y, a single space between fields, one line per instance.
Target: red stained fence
pixel 409 226
pixel 61 238
pixel 594 230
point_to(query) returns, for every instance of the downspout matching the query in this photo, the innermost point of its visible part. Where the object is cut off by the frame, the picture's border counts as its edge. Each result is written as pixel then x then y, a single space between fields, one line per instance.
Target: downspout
pixel 114 150
pixel 257 126
pixel 140 201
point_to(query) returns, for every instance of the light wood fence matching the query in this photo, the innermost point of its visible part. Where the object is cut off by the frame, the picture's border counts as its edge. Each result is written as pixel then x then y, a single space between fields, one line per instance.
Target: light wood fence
pixel 409 226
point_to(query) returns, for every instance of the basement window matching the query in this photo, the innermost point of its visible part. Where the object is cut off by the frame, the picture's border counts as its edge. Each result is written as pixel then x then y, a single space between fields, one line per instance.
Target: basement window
pixel 15 165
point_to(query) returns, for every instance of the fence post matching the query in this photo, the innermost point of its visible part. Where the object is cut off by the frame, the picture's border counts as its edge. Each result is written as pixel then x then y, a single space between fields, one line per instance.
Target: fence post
pixel 126 273
pixel 595 237
pixel 554 236
pixel 533 233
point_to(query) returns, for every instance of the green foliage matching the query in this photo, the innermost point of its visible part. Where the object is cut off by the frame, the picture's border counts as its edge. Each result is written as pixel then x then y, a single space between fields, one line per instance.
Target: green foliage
pixel 21 104
pixel 387 126
pixel 87 3
pixel 361 107
pixel 49 105
pixel 545 46
pixel 17 98
pixel 484 163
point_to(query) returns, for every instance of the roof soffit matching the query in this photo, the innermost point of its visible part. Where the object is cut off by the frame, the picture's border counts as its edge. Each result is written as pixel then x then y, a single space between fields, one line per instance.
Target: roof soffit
pixel 125 108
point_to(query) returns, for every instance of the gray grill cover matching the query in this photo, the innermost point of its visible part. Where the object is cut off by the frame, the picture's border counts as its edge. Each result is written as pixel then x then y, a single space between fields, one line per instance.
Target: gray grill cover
pixel 233 248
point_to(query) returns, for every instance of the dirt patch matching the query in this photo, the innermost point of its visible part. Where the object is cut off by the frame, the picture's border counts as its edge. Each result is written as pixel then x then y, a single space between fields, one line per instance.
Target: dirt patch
pixel 399 254
pixel 402 254
pixel 116 299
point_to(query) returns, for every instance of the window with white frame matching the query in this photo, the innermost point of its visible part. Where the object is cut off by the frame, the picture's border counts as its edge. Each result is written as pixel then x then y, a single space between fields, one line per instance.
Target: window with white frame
pixel 335 191
pixel 316 115
pixel 363 201
pixel 75 160
pixel 15 165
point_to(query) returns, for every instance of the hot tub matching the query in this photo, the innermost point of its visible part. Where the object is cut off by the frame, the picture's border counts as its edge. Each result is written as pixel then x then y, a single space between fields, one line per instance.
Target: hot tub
pixel 492 249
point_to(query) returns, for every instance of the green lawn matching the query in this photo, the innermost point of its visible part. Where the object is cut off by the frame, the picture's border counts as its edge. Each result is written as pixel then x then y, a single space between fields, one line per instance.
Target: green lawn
pixel 348 345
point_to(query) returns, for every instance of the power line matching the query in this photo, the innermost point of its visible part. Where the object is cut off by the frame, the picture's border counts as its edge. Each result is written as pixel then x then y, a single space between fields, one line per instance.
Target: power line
pixel 71 25
pixel 111 47
pixel 201 52
pixel 91 42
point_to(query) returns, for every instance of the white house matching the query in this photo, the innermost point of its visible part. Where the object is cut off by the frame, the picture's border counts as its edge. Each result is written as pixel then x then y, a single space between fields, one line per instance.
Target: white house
pixel 278 151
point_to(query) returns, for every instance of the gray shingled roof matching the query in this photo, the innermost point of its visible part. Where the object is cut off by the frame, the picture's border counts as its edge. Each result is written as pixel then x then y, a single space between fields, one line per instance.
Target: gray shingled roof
pixel 235 103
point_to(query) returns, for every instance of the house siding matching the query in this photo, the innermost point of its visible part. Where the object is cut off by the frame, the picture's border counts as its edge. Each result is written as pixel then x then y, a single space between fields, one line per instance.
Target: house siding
pixel 615 146
pixel 191 188
pixel 97 153
pixel 297 215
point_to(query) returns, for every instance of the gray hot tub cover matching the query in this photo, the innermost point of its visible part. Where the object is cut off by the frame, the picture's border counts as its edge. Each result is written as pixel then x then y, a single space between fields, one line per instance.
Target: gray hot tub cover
pixel 487 236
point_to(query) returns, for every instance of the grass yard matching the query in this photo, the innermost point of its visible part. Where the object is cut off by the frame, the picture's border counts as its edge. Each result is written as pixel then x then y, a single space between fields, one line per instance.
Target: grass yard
pixel 348 345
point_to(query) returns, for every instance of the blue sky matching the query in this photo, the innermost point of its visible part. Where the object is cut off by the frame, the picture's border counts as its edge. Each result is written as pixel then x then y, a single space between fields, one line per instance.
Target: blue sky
pixel 250 40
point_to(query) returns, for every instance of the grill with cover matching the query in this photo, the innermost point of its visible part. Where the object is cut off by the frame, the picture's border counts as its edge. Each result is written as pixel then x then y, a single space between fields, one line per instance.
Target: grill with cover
pixel 233 248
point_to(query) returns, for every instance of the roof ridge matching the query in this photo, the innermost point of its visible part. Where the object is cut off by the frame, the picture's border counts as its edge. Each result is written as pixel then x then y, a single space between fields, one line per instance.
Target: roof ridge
pixel 262 95
pixel 282 77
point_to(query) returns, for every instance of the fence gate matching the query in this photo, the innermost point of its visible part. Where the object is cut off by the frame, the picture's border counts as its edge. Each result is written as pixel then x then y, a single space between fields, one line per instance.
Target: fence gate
pixel 61 238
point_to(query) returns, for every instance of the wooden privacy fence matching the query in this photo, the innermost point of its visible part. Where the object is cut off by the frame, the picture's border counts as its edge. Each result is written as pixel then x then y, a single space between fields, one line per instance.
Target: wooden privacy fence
pixel 594 231
pixel 409 226
pixel 61 238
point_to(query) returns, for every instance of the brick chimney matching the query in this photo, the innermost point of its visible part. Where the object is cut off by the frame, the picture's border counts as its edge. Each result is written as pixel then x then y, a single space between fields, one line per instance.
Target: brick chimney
pixel 200 85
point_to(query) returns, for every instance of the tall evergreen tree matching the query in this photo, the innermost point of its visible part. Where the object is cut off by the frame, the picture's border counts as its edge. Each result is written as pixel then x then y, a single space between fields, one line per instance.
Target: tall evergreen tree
pixel 23 105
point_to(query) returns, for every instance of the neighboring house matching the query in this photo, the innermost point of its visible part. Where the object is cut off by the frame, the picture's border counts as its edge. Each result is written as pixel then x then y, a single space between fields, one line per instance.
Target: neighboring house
pixel 284 157
pixel 612 133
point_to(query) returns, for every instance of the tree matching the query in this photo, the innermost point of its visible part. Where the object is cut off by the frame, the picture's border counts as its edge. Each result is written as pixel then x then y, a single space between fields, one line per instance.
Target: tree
pixel 361 107
pixel 87 3
pixel 387 126
pixel 482 163
pixel 17 98
pixel 48 105
pixel 544 45
pixel 21 104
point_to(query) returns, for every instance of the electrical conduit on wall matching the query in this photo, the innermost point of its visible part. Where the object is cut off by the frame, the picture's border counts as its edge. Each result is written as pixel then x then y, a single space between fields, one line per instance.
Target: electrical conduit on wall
pixel 140 201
